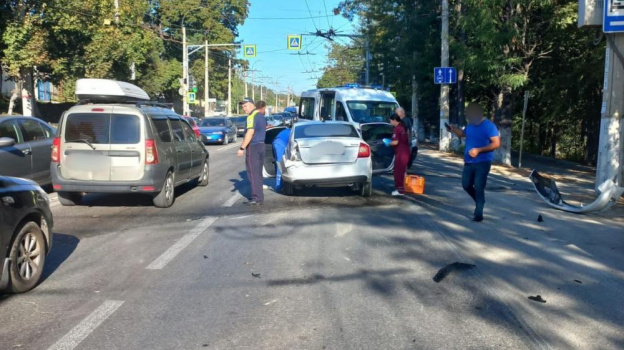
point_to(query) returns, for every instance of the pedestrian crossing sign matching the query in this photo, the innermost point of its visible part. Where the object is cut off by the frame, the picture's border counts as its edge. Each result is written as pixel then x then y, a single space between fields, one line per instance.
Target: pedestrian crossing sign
pixel 294 42
pixel 192 98
pixel 249 51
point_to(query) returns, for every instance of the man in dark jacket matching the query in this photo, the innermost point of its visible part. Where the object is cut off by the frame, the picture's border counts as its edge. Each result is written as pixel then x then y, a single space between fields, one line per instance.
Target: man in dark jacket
pixel 253 147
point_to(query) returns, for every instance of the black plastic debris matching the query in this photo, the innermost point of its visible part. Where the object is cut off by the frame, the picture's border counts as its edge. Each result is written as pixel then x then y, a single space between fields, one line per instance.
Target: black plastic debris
pixel 537 298
pixel 540 218
pixel 577 281
pixel 446 270
pixel 205 256
pixel 255 274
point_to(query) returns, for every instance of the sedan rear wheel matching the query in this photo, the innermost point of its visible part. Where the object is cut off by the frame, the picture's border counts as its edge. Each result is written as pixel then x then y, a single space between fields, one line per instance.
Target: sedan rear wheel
pixel 27 258
pixel 367 189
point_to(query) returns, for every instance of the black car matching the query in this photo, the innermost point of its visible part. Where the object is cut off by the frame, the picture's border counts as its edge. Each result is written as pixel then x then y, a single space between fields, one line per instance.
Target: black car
pixel 25 148
pixel 25 233
pixel 240 122
pixel 217 130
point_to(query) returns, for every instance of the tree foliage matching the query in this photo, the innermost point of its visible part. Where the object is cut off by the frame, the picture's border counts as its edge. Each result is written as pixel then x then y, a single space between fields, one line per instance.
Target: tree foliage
pixel 501 48
pixel 71 39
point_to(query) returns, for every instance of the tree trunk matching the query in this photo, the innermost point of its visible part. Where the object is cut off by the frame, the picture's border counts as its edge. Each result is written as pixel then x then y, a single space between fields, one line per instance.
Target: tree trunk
pixel 14 97
pixel 29 103
pixel 553 140
pixel 503 121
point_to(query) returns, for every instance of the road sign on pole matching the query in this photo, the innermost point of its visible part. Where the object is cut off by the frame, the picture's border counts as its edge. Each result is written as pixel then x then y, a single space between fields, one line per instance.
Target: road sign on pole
pixel 249 51
pixel 192 98
pixel 613 16
pixel 445 75
pixel 294 42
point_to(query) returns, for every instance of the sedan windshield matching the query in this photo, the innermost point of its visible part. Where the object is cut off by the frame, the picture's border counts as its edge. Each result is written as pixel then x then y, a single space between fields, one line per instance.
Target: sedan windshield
pixel 371 111
pixel 213 122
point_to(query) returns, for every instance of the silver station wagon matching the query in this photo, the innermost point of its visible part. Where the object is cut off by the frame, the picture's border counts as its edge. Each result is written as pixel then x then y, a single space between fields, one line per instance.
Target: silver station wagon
pixel 128 146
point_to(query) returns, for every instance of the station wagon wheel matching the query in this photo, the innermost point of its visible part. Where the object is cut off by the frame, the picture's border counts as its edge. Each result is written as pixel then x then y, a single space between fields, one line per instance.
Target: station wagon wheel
pixel 27 258
pixel 166 196
pixel 204 178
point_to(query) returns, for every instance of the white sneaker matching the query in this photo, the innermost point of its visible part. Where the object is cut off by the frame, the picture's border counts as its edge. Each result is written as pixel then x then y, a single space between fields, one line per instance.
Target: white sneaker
pixel 396 193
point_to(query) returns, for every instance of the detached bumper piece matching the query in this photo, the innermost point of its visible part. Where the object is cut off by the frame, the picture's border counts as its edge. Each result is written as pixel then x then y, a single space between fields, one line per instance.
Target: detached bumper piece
pixel 610 193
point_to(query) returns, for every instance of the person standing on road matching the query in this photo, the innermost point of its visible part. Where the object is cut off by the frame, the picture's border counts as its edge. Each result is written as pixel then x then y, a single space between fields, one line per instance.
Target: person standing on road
pixel 401 143
pixel 482 138
pixel 253 147
pixel 409 126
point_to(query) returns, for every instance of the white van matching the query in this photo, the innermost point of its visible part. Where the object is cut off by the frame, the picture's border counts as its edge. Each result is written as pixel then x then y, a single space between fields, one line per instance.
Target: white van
pixel 368 109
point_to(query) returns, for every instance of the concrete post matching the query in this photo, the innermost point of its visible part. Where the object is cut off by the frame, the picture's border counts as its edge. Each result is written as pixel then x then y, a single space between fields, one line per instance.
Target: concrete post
pixel 611 144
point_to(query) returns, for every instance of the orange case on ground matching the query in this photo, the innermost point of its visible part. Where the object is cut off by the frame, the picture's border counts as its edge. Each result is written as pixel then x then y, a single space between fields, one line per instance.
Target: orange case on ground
pixel 415 184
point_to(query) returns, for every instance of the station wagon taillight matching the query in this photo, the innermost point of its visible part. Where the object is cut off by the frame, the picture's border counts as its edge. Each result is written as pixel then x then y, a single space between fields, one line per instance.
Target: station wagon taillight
pixel 56 150
pixel 364 151
pixel 151 154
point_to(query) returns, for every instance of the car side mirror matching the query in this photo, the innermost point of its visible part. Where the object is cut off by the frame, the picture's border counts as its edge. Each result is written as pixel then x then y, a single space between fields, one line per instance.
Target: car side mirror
pixel 6 142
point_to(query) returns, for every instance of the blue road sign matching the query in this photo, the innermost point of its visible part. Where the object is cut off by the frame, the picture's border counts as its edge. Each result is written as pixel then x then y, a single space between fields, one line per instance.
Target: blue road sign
pixel 613 21
pixel 249 51
pixel 445 75
pixel 294 42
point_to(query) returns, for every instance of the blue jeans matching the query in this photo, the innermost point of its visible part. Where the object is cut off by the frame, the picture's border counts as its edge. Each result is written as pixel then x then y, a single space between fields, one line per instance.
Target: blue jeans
pixel 474 180
pixel 279 148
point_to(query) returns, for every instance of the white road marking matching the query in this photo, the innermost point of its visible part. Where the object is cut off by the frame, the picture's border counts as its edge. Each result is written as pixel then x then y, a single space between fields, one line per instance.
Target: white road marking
pixel 230 202
pixel 182 243
pixel 270 302
pixel 229 147
pixel 86 326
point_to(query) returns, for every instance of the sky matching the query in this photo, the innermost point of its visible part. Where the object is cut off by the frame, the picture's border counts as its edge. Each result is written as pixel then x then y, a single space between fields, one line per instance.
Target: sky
pixel 268 25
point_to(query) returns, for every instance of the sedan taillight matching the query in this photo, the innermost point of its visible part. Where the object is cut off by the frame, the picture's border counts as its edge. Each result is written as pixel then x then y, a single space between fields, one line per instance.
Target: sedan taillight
pixel 151 154
pixel 364 151
pixel 56 150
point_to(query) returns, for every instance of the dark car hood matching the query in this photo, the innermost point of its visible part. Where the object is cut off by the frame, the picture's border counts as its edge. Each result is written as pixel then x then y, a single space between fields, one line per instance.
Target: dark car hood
pixel 206 129
pixel 9 184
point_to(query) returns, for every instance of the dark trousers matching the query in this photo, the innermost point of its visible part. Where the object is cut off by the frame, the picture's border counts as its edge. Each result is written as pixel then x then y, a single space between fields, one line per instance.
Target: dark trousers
pixel 474 180
pixel 254 161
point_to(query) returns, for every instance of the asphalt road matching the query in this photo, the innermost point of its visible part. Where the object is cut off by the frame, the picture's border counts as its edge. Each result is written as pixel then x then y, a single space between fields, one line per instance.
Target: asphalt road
pixel 323 270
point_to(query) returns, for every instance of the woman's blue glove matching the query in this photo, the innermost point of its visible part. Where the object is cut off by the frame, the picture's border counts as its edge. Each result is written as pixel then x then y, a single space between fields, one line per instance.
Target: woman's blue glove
pixel 387 142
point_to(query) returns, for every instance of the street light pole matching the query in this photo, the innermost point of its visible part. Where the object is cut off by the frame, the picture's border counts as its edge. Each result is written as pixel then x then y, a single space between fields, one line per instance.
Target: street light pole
pixel 206 83
pixel 185 89
pixel 229 105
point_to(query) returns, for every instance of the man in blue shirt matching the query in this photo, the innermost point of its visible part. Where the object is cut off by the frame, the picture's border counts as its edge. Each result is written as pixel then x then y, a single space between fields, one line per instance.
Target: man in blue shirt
pixel 253 147
pixel 482 138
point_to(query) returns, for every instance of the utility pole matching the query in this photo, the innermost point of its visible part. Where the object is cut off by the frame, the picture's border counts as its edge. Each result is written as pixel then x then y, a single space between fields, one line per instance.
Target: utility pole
pixel 185 78
pixel 229 105
pixel 445 136
pixel 116 11
pixel 246 89
pixel 415 110
pixel 368 58
pixel 206 81
pixel 253 82
pixel 611 145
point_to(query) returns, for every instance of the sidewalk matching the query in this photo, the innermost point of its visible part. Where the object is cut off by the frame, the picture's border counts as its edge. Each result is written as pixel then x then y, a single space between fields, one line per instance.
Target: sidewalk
pixel 576 182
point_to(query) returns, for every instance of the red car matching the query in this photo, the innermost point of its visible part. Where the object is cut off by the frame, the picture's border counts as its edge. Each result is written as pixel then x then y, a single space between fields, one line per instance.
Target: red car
pixel 193 123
